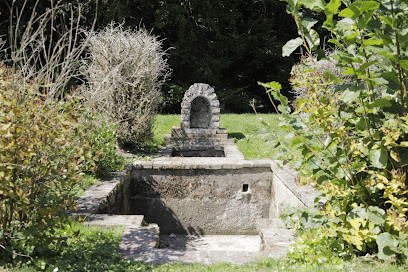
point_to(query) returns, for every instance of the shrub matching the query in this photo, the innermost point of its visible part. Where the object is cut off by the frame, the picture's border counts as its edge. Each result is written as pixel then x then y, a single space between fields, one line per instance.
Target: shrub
pixel 43 149
pixel 354 143
pixel 126 71
pixel 170 102
pixel 301 72
pixel 102 139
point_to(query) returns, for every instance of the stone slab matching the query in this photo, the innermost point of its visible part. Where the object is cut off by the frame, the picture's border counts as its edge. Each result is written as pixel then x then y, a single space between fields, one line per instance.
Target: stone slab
pixel 234 249
pixel 97 193
pixel 136 241
pixel 202 163
pixel 109 220
pixel 211 242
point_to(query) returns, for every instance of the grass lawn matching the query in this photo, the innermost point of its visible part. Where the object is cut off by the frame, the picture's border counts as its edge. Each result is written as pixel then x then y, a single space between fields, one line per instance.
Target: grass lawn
pixel 249 132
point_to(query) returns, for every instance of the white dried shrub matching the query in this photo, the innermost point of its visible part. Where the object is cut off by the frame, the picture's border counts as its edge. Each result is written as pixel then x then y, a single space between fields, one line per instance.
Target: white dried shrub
pixel 125 74
pixel 2 43
pixel 307 63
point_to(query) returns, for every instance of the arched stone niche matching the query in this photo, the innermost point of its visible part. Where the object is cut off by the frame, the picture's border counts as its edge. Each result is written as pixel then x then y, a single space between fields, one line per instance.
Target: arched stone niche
pixel 200 110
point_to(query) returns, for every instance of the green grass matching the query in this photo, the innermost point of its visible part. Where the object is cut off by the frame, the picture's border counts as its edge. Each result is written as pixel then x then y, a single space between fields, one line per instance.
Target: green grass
pixel 249 131
pixel 283 265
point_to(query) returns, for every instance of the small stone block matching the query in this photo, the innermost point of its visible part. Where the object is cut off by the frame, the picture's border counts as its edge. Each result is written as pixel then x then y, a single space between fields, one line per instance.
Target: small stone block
pixel 222 131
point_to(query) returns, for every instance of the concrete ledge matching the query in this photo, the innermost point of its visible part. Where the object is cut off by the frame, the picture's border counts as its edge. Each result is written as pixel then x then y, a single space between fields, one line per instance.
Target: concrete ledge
pixel 199 163
pixel 286 190
pixel 110 220
pixel 96 194
pixel 230 150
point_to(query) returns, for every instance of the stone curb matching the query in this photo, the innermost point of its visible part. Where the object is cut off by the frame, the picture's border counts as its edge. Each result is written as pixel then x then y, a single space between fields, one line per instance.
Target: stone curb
pixel 96 194
pixel 306 194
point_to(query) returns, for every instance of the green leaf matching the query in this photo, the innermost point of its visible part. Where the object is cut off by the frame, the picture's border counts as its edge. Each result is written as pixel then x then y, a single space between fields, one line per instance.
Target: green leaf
pixel 336 42
pixel 358 212
pixel 356 222
pixel 382 102
pixel 273 86
pixel 349 13
pixel 283 109
pixel 333 7
pixel 376 215
pixel 355 240
pixel 364 66
pixel 351 94
pixel 387 244
pixel 308 23
pixel 291 46
pixel 404 64
pixel 315 5
pixel 274 89
pixel 378 158
pixel 369 5
pixel 329 20
pixel 379 80
pixel 373 41
pixel 365 19
pixel 313 39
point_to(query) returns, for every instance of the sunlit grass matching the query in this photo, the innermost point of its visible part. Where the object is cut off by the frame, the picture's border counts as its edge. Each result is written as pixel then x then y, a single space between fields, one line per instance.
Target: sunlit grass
pixel 248 130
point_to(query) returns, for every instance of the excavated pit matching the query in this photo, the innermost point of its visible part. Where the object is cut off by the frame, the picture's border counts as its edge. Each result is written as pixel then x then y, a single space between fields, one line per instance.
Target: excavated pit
pixel 196 196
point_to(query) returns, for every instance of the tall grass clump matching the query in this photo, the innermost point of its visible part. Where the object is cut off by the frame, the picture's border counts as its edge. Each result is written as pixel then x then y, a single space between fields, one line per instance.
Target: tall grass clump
pixel 125 73
pixel 47 46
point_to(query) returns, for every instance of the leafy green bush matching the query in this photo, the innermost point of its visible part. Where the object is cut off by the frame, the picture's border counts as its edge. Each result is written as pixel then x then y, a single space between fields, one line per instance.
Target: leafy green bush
pixel 354 144
pixel 43 149
pixel 81 248
pixel 125 74
pixel 171 98
pixel 102 139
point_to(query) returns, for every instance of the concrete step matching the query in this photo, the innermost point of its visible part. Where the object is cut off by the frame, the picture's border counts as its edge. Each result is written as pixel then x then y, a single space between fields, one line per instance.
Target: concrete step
pixel 274 235
pixel 97 193
pixel 142 244
pixel 138 243
pixel 110 220
pixel 207 249
pixel 207 257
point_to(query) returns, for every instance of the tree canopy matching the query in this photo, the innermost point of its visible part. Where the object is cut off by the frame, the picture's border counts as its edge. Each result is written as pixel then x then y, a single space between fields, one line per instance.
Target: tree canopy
pixel 229 44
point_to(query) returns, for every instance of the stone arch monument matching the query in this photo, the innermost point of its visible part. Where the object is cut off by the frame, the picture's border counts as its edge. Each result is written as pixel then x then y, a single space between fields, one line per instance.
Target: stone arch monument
pixel 200 124
pixel 200 110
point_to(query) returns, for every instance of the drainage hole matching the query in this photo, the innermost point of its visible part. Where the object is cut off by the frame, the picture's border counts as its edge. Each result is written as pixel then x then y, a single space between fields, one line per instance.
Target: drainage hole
pixel 245 188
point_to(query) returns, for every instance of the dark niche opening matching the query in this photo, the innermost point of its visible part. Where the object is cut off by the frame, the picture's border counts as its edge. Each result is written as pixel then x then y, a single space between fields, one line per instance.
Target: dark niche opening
pixel 198 151
pixel 200 114
pixel 245 187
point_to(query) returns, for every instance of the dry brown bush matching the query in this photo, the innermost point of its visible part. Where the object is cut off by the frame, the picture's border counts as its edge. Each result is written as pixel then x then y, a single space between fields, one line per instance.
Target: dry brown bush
pixel 125 73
